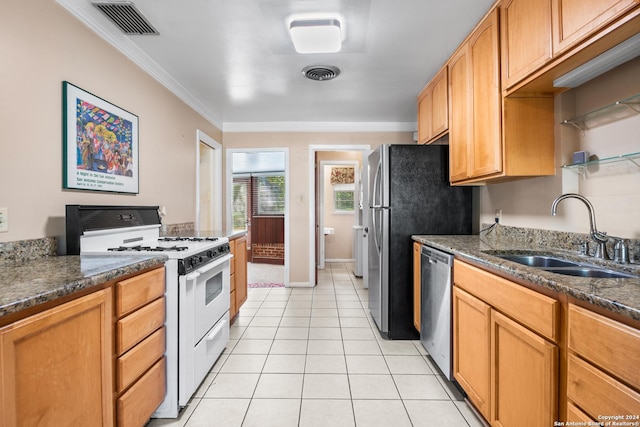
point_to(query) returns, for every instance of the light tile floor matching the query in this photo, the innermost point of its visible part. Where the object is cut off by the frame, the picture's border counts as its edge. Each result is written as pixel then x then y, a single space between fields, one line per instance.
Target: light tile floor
pixel 309 357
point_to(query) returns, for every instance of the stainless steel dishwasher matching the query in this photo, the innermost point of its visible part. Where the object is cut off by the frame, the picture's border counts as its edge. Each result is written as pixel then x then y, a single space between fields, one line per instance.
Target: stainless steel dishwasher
pixel 435 306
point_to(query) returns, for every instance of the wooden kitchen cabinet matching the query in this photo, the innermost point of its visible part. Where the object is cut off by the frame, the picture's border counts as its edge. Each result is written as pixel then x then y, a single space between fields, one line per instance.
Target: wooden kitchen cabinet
pixel 493 138
pixel 486 149
pixel 602 378
pixel 56 366
pixel 474 135
pixel 505 348
pixel 417 284
pixel 533 32
pixel 575 20
pixel 524 382
pixel 472 348
pixel 140 347
pixel 238 270
pixel 433 108
pixel 525 35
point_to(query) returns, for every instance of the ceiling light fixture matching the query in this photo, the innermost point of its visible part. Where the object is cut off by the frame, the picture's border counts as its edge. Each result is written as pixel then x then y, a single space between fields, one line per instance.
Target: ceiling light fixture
pixel 316 35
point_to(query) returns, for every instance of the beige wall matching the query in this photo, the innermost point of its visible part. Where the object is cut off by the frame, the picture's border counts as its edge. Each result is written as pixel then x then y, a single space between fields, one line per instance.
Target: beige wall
pixel 40 46
pixel 299 197
pixel 614 190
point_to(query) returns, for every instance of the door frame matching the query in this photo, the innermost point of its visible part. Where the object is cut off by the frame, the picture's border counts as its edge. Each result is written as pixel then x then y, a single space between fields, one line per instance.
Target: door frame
pixel 229 194
pixel 216 196
pixel 322 202
pixel 313 231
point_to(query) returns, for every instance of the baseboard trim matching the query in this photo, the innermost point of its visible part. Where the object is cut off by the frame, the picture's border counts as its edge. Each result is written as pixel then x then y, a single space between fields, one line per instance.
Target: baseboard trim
pixel 300 285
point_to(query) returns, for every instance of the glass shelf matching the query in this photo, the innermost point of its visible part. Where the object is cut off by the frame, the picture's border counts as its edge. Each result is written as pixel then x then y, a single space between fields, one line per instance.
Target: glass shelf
pixel 581 167
pixel 619 110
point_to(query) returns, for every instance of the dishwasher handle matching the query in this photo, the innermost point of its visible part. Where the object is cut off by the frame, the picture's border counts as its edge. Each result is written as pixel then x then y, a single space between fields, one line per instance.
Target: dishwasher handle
pixel 435 256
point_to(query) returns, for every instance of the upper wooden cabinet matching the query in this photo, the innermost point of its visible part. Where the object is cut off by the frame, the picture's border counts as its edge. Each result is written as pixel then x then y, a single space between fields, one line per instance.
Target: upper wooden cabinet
pixel 491 137
pixel 486 152
pixel 574 20
pixel 525 37
pixel 433 108
pixel 537 33
pixel 459 114
pixel 474 88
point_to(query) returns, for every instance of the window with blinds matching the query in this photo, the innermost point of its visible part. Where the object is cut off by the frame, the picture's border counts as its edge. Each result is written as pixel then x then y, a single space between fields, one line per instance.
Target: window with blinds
pixel 268 194
pixel 240 202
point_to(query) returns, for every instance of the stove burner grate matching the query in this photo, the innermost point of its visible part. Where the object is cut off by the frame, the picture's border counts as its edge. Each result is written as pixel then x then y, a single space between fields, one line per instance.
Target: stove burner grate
pixel 188 239
pixel 148 248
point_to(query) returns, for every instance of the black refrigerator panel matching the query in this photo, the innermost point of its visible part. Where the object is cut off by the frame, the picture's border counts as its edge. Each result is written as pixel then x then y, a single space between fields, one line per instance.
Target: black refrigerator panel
pixel 421 201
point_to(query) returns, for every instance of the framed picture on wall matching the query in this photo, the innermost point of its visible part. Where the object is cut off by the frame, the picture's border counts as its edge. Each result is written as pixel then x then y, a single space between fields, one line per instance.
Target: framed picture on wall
pixel 100 143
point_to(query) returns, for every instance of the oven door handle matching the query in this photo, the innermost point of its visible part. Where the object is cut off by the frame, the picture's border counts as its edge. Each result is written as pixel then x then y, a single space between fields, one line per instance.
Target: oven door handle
pixel 192 276
pixel 216 330
pixel 213 264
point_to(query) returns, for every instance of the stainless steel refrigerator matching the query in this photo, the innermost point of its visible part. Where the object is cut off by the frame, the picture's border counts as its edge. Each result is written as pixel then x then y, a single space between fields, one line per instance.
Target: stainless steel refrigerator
pixel 409 193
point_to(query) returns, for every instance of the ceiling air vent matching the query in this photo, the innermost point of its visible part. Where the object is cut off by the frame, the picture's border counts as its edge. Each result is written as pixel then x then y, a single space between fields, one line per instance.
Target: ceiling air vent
pixel 320 72
pixel 126 16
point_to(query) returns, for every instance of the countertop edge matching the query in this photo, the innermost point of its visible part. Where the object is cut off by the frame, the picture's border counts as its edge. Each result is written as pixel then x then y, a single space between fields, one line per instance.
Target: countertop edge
pixel 21 297
pixel 578 288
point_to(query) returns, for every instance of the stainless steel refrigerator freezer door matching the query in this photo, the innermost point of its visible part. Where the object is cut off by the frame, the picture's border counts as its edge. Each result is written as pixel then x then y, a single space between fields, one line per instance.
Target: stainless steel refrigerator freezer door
pixel 378 244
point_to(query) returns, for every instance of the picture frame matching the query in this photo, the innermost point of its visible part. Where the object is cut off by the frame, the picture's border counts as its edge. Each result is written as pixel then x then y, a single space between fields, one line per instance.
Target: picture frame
pixel 100 144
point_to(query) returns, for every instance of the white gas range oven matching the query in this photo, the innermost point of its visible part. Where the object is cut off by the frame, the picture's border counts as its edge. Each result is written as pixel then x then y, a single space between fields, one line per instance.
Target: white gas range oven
pixel 197 283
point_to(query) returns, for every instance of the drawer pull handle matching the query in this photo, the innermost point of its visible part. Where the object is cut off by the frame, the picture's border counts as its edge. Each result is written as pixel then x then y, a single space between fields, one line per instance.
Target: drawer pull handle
pixel 217 330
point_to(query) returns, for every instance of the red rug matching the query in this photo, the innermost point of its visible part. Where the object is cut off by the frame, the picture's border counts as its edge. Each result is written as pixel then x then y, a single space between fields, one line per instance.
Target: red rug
pixel 265 285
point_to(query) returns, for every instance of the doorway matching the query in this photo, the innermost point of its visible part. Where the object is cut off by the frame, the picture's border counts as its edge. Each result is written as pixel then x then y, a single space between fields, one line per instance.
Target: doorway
pixel 314 231
pixel 208 183
pixel 339 206
pixel 257 193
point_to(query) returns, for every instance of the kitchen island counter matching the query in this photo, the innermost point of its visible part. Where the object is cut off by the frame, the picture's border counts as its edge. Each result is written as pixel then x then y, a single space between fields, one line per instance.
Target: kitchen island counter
pixel 30 283
pixel 621 296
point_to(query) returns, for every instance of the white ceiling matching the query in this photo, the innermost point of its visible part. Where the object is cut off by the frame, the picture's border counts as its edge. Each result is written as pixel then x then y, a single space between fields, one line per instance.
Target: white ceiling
pixel 233 60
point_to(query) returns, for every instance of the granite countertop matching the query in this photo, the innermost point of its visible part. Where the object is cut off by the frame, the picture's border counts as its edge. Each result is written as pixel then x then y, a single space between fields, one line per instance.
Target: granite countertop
pixel 27 284
pixel 621 296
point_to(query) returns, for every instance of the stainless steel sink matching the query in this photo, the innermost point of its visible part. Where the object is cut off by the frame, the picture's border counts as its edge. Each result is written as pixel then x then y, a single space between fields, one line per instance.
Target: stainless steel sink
pixel 590 272
pixel 538 260
pixel 561 266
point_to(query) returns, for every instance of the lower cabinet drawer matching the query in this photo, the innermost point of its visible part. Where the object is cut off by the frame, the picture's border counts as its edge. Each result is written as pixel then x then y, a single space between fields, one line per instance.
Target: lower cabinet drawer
pixel 133 363
pixel 138 325
pixel 137 291
pixel 537 312
pixel 135 407
pixel 575 415
pixel 606 343
pixel 598 394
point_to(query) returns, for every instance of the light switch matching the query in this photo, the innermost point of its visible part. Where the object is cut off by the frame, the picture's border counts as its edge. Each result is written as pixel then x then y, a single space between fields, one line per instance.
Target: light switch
pixel 4 220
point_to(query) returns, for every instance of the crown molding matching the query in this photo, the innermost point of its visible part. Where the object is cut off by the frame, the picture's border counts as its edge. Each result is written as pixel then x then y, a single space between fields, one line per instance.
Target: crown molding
pixel 319 127
pixel 122 43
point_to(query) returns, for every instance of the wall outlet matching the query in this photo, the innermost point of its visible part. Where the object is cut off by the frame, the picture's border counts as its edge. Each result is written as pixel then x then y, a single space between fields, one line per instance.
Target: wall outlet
pixel 4 220
pixel 498 216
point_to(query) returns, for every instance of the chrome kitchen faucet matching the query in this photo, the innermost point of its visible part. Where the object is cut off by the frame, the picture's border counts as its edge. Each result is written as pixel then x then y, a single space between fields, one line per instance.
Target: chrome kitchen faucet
pixel 600 237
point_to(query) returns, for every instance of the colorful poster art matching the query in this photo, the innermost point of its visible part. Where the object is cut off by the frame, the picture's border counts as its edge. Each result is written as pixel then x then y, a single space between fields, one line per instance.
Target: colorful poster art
pixel 100 142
